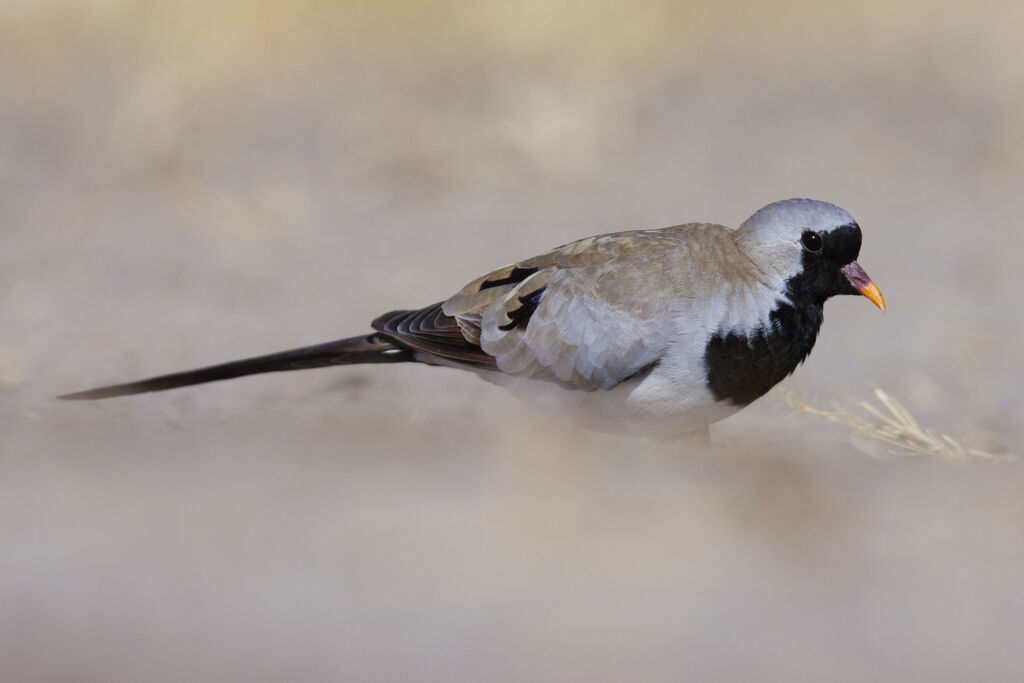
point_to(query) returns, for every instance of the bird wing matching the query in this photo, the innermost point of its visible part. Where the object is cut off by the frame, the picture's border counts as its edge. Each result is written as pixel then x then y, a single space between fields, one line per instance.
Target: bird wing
pixel 591 313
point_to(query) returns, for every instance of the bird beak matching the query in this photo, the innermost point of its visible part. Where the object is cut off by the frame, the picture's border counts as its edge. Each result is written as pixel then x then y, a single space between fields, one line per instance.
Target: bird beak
pixel 863 284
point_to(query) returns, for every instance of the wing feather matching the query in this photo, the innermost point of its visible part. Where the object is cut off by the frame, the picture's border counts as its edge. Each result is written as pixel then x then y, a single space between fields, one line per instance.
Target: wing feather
pixel 431 332
pixel 591 313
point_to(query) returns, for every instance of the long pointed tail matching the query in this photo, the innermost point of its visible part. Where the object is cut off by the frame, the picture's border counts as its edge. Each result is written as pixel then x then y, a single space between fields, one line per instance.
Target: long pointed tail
pixel 371 348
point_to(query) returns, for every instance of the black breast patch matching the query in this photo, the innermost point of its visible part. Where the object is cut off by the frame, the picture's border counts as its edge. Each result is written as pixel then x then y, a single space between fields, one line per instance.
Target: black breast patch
pixel 741 369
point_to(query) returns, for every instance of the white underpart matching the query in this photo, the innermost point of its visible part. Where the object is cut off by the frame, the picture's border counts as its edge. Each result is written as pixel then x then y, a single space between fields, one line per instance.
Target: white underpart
pixel 673 397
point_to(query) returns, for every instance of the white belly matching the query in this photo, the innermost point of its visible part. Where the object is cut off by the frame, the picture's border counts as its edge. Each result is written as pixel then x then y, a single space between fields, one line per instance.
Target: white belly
pixel 652 404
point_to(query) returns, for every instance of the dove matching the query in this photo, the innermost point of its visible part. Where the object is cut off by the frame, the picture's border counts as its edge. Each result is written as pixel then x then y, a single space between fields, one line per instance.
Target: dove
pixel 644 332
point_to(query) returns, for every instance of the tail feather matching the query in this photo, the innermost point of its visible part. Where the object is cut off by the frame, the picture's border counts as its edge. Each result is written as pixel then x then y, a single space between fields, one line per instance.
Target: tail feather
pixel 372 348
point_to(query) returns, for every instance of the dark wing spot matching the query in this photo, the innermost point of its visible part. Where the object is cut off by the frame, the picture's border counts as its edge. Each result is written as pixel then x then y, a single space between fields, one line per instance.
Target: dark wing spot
pixel 521 316
pixel 517 275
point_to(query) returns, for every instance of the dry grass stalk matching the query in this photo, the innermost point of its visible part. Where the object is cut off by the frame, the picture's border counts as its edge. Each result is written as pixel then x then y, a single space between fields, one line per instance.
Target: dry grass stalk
pixel 893 425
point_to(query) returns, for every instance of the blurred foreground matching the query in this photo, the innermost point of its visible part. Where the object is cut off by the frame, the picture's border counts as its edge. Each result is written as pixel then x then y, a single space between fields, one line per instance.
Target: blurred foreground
pixel 186 183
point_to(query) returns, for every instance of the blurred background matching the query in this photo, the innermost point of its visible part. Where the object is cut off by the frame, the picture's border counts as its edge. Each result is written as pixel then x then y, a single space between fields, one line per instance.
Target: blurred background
pixel 183 183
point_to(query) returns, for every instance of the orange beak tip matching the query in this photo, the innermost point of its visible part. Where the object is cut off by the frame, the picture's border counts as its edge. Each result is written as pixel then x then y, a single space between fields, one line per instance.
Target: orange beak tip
pixel 863 284
pixel 874 295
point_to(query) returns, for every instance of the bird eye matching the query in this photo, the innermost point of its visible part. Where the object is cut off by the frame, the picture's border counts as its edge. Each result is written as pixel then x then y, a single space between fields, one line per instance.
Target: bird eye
pixel 811 241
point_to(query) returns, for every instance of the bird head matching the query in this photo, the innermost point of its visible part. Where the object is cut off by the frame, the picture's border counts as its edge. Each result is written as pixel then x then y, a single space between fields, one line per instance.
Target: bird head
pixel 809 245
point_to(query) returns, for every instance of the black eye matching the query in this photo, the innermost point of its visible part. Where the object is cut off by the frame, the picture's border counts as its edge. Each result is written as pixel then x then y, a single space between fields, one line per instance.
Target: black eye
pixel 811 241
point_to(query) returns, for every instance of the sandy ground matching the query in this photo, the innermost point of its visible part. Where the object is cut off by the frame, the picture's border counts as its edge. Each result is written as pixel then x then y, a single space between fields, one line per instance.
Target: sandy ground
pixel 186 183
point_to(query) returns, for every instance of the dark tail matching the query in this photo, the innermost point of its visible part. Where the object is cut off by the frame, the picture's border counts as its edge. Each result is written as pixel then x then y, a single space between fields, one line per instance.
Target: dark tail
pixel 371 348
